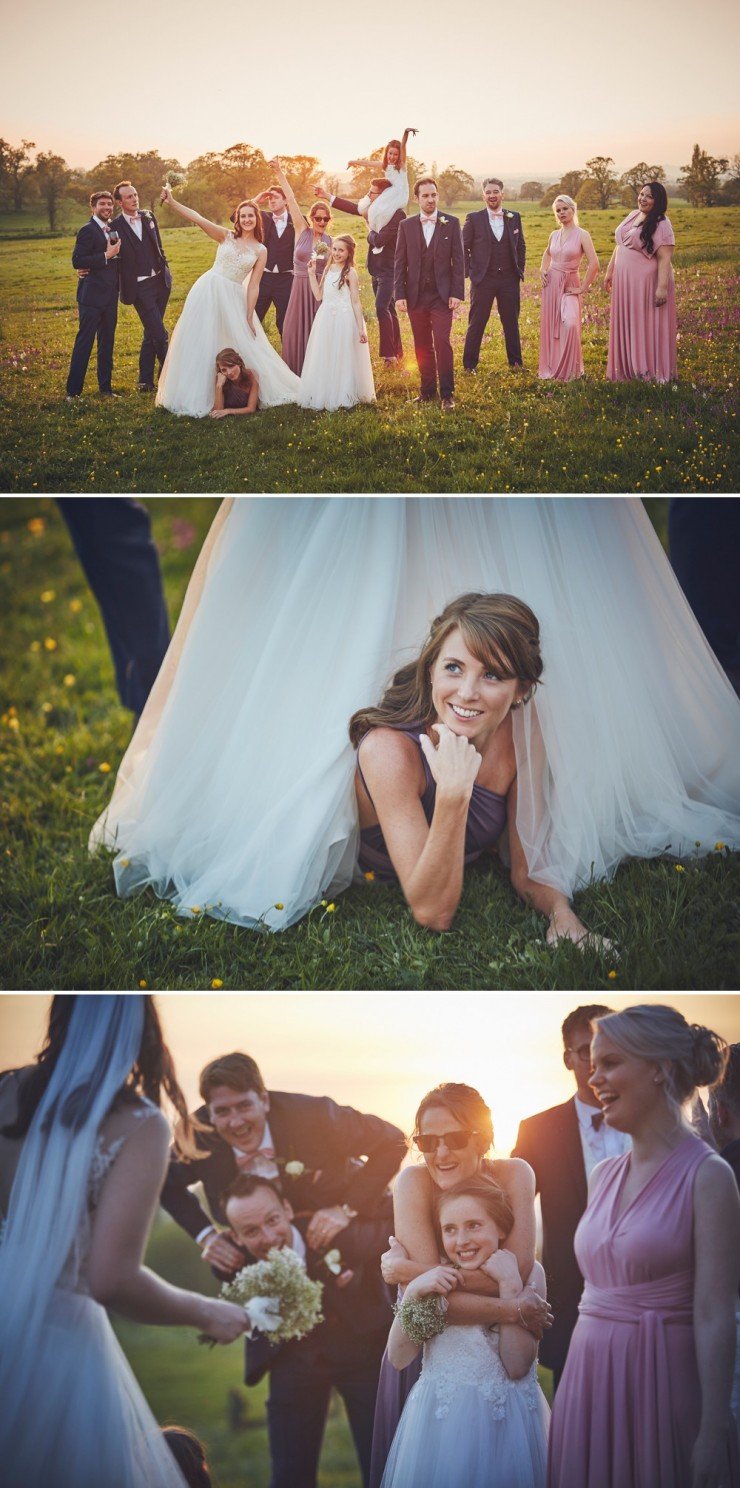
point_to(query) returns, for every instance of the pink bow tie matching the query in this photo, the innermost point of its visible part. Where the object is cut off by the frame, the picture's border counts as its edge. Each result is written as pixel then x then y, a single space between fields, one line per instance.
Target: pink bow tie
pixel 249 1162
pixel 135 217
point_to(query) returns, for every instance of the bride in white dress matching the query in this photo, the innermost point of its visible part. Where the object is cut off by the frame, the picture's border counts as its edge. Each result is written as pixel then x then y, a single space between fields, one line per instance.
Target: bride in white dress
pixel 219 313
pixel 337 370
pixel 83 1155
pixel 300 610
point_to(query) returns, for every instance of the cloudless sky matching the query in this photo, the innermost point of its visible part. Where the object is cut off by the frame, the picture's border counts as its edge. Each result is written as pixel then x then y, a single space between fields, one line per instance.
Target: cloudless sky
pixel 512 89
pixel 379 1051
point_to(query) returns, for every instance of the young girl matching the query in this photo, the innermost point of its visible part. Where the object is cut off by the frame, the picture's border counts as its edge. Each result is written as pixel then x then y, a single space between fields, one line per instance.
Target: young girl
pixel 337 372
pixel 393 168
pixel 237 389
pixel 477 1417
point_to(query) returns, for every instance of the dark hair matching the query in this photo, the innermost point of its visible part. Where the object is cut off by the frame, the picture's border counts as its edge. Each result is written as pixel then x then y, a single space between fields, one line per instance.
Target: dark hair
pixel 727 1089
pixel 423 181
pixel 466 1105
pixel 246 1184
pixel 580 1017
pixel 350 259
pixel 493 181
pixel 238 1071
pixel 655 215
pixel 399 147
pixel 117 189
pixel 258 233
pixel 230 358
pixel 95 197
pixel 381 184
pixel 500 630
pixel 153 1069
pixel 488 1193
pixel 189 1454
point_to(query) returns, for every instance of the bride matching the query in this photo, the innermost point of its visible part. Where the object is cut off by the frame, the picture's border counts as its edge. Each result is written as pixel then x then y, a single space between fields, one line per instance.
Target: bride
pixel 220 311
pixel 83 1155
pixel 298 613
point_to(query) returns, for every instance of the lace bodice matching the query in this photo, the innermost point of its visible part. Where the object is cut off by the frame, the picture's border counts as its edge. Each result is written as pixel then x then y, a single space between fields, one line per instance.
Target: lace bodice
pixel 73 1277
pixel 336 301
pixel 234 259
pixel 465 1357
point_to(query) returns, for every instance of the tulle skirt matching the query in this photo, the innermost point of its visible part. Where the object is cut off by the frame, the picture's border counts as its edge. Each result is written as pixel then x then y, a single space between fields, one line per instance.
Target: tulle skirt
pixel 236 793
pixel 476 1444
pixel 86 1424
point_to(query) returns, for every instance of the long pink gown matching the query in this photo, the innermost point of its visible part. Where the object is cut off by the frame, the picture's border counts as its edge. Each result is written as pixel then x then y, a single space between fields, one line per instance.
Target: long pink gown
pixel 561 356
pixel 627 1412
pixel 642 335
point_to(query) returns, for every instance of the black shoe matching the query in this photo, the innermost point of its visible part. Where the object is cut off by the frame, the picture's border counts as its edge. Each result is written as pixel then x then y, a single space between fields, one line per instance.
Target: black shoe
pixel 72 397
pixel 108 393
pixel 448 404
pixel 425 398
pixel 145 387
pixel 471 371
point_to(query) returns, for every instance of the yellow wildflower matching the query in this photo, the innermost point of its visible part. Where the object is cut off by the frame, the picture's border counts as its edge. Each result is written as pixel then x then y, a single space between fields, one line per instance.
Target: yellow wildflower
pixel 48 595
pixel 46 707
pixel 104 768
pixel 50 644
pixel 36 526
pixel 13 723
pixel 12 712
pixel 612 976
pixel 719 846
pixel 125 862
pixel 680 868
pixel 216 983
pixel 369 876
pixel 35 646
pixel 280 906
pixel 59 749
pixel 75 606
pixel 330 908
pixel 69 679
pixel 195 909
pixel 143 984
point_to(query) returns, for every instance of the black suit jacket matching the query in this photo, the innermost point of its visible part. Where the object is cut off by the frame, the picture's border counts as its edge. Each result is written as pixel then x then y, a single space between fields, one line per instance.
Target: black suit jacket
pixel 385 240
pixel 361 1307
pixel 312 1129
pixel 477 236
pixel 551 1143
pixel 127 270
pixel 449 263
pixel 100 284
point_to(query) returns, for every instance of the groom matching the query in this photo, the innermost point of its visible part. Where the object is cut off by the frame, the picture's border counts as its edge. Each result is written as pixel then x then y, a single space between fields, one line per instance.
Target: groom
pixel 495 255
pixel 430 284
pixel 279 238
pixel 309 1142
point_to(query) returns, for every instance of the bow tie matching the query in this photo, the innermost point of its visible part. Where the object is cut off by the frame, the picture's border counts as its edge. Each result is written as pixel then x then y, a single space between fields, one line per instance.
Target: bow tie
pixel 250 1162
pixel 279 216
pixel 597 1120
pixel 134 216
pixel 495 214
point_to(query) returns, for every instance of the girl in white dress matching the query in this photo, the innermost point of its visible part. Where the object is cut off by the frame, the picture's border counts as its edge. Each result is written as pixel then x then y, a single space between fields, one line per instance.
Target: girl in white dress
pixel 476 1418
pixel 393 168
pixel 219 312
pixel 337 371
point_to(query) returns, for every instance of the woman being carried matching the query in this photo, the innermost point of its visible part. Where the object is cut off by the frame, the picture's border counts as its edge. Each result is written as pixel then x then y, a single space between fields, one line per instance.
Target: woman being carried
pixel 219 312
pixel 392 167
pixel 337 371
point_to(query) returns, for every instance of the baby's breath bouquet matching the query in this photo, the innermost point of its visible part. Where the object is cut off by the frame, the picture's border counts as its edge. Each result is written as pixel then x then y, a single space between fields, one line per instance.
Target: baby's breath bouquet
pixel 174 178
pixel 322 249
pixel 282 1275
pixel 421 1317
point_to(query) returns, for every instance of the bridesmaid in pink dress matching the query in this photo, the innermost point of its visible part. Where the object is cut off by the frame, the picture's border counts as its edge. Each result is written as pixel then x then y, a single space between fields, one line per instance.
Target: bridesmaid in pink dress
pixel 642 327
pixel 561 356
pixel 644 1401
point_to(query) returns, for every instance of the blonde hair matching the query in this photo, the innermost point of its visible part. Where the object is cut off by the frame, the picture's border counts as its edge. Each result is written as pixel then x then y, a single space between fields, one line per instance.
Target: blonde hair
pixel 688 1054
pixel 563 197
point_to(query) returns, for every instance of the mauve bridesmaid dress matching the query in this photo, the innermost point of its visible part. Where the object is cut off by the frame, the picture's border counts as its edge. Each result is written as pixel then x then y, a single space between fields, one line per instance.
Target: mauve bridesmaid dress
pixel 642 335
pixel 303 304
pixel 561 356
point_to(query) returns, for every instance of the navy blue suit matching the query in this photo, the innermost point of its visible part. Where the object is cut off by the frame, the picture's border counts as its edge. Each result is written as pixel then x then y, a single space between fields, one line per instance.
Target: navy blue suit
pixel 140 257
pixel 381 252
pixel 276 283
pixel 97 306
pixel 112 536
pixel 427 278
pixel 704 540
pixel 495 271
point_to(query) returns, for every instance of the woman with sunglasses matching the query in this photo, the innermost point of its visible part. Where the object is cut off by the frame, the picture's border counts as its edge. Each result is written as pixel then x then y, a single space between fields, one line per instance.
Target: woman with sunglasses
pixel 310 233
pixel 453 1131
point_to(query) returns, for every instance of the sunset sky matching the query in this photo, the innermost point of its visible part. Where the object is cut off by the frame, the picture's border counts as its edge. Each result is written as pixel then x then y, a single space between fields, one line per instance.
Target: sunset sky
pixel 379 1051
pixel 513 89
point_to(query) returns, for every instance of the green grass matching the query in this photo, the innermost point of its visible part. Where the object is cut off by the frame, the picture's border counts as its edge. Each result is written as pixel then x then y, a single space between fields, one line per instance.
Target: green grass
pixel 63 927
pixel 509 432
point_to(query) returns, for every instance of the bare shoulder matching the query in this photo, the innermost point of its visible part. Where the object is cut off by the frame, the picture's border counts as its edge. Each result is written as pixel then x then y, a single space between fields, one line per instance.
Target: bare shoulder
pixel 715 1182
pixel 412 1183
pixel 386 750
pixel 514 1175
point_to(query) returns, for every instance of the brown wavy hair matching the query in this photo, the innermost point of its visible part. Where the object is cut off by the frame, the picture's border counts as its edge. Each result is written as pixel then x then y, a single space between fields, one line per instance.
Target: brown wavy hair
pixel 258 232
pixel 466 1105
pixel 350 259
pixel 499 629
pixel 230 358
pixel 487 1192
pixel 399 147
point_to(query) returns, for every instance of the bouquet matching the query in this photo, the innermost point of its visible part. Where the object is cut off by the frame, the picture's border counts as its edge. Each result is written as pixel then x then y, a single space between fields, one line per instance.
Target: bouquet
pixel 282 1275
pixel 422 1317
pixel 174 178
pixel 322 249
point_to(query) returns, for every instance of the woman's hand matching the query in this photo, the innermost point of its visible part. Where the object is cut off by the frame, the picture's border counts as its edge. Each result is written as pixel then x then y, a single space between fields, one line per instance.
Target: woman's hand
pixel 661 295
pixel 220 379
pixel 219 412
pixel 544 278
pixel 224 1321
pixel 565 925
pixel 575 289
pixel 274 164
pixel 410 131
pixel 608 281
pixel 250 323
pixel 709 1465
pixel 534 1312
pixel 166 195
pixel 363 338
pixel 389 1262
pixel 454 763
pixel 441 1279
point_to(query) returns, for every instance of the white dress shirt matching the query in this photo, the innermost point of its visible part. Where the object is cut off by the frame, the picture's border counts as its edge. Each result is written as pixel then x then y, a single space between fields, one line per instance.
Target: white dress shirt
pixel 298 1244
pixel 264 1167
pixel 428 225
pixel 496 220
pixel 134 225
pixel 601 1143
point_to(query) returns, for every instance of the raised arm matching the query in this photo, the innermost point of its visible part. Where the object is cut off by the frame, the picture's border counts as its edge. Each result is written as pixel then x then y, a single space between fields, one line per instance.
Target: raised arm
pixel 716 1252
pixel 296 215
pixel 404 142
pixel 211 229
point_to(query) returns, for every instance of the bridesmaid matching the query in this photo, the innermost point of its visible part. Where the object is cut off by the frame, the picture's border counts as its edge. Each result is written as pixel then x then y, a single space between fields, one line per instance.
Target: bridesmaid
pixel 561 355
pixel 302 305
pixel 644 1401
pixel 237 389
pixel 642 327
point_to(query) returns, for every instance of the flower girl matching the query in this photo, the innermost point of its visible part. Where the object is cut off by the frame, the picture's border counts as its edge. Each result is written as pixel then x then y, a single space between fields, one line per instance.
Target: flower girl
pixel 476 1418
pixel 337 371
pixel 393 168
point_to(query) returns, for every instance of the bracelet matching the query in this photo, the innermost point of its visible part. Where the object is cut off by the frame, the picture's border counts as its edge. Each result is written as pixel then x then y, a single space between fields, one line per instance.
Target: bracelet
pixel 521 1319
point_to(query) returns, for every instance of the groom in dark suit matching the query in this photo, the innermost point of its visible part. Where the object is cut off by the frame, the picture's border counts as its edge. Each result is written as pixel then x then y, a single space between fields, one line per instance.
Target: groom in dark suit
pixel 145 279
pixel 343 1352
pixel 309 1142
pixel 97 296
pixel 381 258
pixel 278 234
pixel 495 255
pixel 430 284
pixel 563 1145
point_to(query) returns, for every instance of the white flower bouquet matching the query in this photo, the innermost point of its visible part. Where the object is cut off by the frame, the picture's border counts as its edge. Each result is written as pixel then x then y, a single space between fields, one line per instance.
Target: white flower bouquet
pixel 421 1317
pixel 283 1276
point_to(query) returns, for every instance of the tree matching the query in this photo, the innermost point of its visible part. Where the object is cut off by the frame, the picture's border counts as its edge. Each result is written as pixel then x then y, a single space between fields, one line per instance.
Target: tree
pixel 634 178
pixel 600 171
pixel 571 182
pixel 146 171
pixel 700 179
pixel 548 196
pixel 531 191
pixel 589 195
pixel 455 185
pixel 16 173
pixel 218 181
pixel 730 194
pixel 303 172
pixel 53 176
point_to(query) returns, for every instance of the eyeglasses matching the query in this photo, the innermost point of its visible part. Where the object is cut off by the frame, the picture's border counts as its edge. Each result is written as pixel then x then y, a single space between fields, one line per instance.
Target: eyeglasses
pixel 322 219
pixel 454 1141
pixel 582 1052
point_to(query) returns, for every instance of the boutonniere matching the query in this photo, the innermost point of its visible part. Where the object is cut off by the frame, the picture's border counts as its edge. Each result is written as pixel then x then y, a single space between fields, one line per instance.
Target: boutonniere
pixel 332 1259
pixel 443 220
pixel 508 214
pixel 294 1168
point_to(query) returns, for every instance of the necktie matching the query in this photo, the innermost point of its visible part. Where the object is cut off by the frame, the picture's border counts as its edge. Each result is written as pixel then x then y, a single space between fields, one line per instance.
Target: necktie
pixel 597 1120
pixel 251 1162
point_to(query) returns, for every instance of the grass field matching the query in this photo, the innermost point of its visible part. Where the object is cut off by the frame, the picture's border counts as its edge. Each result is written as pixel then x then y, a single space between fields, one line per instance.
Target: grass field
pixel 62 735
pixel 509 432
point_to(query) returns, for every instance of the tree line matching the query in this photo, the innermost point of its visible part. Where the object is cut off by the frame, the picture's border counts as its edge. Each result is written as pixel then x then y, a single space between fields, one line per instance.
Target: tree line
pixel 235 174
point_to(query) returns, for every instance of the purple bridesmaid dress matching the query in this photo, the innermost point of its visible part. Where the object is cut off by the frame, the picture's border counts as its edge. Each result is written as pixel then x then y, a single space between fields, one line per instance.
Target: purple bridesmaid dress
pixel 302 305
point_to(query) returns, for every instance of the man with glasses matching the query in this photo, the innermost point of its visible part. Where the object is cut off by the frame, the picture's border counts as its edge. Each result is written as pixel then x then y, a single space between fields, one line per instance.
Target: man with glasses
pixel 563 1145
pixel 381 257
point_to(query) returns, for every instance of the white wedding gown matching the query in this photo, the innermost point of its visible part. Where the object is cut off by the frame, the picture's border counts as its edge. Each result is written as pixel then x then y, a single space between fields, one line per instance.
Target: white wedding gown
pixel 466 1424
pixel 213 318
pixel 337 370
pixel 236 792
pixel 380 211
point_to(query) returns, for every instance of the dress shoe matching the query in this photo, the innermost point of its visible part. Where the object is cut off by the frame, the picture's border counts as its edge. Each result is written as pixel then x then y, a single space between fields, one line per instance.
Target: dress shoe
pixel 108 393
pixel 471 371
pixel 423 399
pixel 448 404
pixel 145 387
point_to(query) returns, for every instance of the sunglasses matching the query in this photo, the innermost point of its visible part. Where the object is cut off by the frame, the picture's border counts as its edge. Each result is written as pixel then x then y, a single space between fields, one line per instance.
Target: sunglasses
pixel 454 1141
pixel 322 219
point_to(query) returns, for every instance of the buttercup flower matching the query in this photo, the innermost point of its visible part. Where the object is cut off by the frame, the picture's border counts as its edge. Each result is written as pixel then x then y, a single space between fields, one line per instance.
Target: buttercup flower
pixel 280 906
pixel 195 909
pixel 143 984
pixel 50 644
pixel 612 976
pixel 36 526
pixel 369 876
pixel 330 908
pixel 719 846
pixel 35 646
pixel 216 983
pixel 69 679
pixel 680 868
pixel 104 768
pixel 48 595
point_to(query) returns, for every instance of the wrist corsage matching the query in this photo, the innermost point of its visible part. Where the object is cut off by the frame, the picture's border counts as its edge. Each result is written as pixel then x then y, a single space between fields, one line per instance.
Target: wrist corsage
pixel 422 1317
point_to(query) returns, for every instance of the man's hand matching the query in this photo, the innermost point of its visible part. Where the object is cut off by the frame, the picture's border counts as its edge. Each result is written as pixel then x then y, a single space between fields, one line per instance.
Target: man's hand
pixel 325 1226
pixel 454 304
pixel 220 1250
pixel 113 249
pixel 82 273
pixel 401 305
